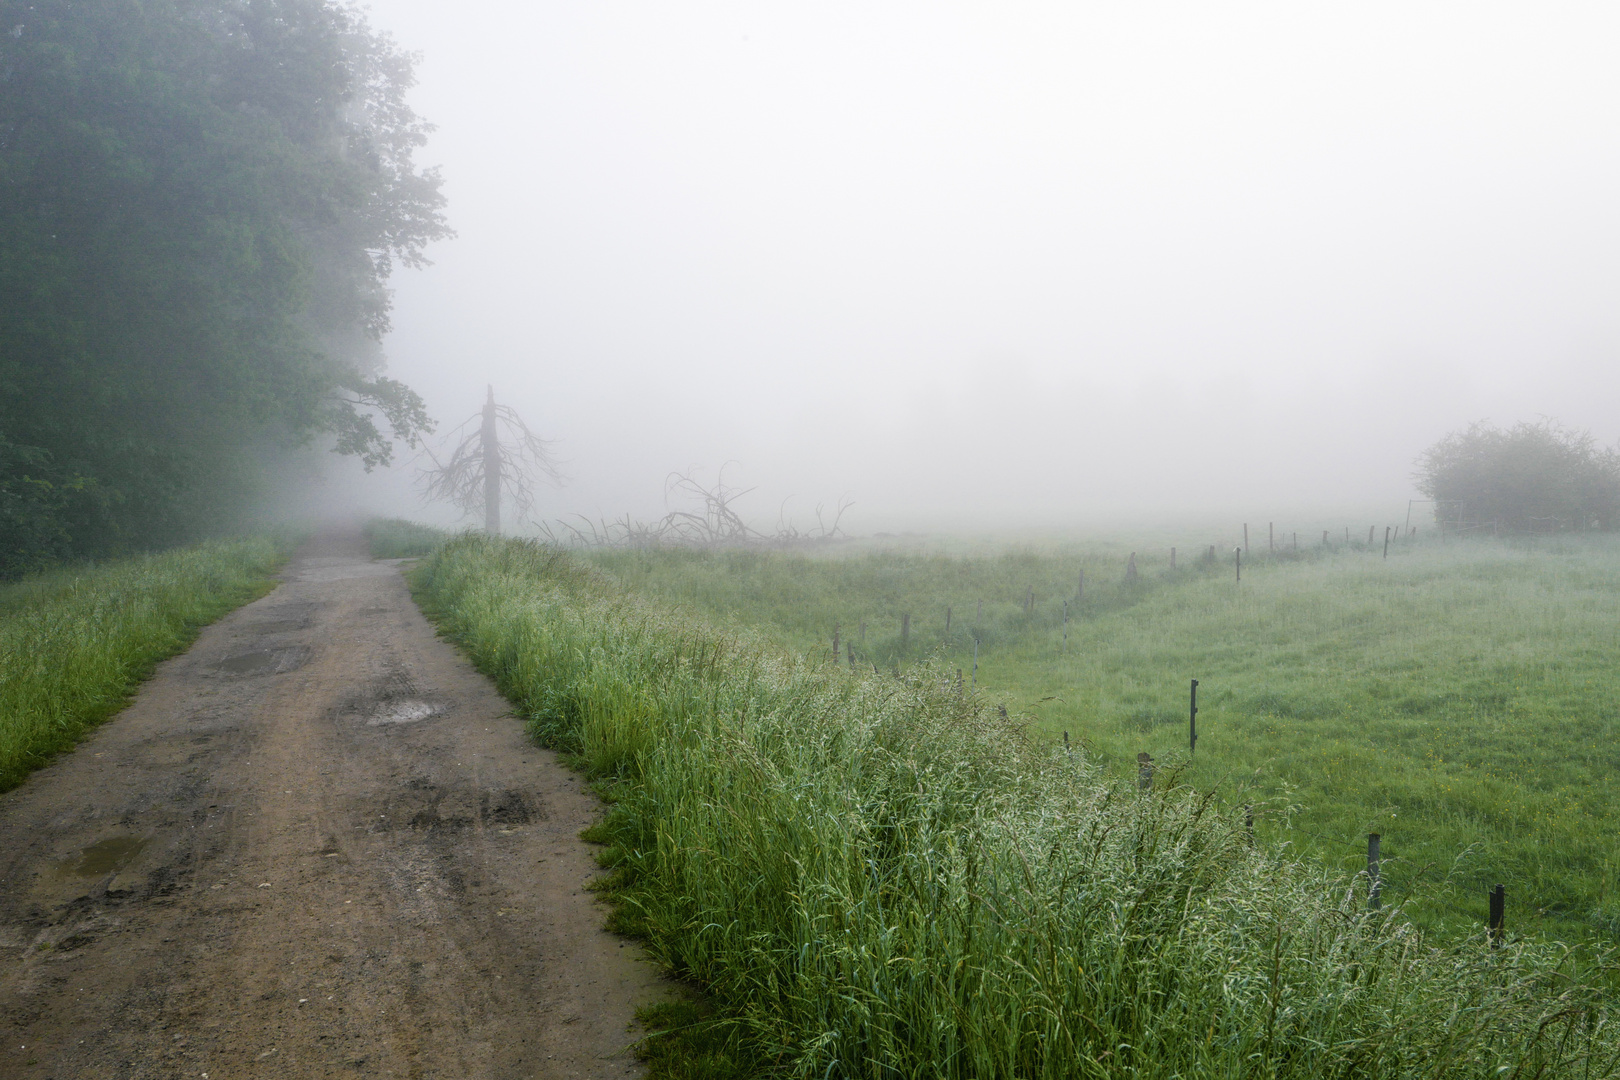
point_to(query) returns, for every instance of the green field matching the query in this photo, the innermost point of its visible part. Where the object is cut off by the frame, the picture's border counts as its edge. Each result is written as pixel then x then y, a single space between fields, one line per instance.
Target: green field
pixel 75 642
pixel 1458 699
pixel 885 877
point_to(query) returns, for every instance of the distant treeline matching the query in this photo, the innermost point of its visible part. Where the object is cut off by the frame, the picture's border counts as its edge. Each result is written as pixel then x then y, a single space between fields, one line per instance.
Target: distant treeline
pixel 202 202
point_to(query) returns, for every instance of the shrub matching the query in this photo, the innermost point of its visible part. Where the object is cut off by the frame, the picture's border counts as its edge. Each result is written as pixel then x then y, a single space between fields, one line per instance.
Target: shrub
pixel 1531 477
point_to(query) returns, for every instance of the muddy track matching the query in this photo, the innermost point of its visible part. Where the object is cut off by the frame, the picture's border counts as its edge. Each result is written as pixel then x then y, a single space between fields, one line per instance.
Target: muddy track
pixel 316 845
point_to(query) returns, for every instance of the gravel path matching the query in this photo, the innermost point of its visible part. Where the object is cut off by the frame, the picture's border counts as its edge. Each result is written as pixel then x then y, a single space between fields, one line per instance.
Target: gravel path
pixel 316 845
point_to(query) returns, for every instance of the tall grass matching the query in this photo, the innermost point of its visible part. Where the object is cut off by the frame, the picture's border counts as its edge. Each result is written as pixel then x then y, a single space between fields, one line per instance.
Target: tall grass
pixel 880 876
pixel 74 643
pixel 1454 698
pixel 396 538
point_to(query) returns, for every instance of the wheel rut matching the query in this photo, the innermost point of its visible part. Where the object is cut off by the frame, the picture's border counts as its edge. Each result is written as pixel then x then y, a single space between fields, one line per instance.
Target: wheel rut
pixel 317 845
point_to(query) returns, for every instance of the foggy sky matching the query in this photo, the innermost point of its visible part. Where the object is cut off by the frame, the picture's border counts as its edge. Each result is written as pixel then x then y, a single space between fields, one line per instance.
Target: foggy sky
pixel 1012 262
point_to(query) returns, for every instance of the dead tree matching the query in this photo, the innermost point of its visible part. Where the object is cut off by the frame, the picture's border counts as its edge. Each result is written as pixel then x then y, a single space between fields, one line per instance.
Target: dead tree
pixel 501 455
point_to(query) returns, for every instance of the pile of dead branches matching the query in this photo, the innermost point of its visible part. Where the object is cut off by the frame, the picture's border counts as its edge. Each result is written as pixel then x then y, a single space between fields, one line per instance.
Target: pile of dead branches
pixel 711 522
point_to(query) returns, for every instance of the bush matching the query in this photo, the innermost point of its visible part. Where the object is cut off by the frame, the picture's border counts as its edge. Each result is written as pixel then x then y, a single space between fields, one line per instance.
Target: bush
pixel 1534 477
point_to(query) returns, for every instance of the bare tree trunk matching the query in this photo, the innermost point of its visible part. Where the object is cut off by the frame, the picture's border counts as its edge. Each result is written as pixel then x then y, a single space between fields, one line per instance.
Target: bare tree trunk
pixel 492 468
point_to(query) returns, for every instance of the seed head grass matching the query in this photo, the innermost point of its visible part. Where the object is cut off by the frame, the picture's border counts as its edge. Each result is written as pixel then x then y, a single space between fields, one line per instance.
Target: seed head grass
pixel 1457 698
pixel 75 642
pixel 881 875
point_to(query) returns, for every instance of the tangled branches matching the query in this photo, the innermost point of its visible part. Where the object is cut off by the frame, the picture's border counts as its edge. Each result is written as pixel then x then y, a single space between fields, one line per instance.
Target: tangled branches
pixel 713 523
pixel 502 455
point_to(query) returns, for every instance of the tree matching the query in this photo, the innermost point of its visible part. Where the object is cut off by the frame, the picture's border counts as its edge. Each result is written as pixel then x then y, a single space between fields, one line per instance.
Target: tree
pixel 500 455
pixel 1530 477
pixel 201 202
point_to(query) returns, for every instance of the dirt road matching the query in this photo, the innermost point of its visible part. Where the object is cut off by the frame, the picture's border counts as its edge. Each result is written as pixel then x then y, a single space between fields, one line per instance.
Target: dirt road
pixel 316 845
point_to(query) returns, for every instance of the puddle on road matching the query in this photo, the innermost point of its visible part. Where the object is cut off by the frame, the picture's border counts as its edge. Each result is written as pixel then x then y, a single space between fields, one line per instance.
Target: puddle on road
pixel 279 626
pixel 104 856
pixel 265 661
pixel 404 711
pixel 283 618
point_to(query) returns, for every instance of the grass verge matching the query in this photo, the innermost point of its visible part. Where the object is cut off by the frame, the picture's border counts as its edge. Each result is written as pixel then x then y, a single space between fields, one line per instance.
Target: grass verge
pixel 396 538
pixel 75 643
pixel 880 876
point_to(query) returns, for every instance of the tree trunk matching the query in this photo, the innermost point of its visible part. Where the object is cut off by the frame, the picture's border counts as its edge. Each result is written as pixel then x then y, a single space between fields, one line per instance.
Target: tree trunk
pixel 492 469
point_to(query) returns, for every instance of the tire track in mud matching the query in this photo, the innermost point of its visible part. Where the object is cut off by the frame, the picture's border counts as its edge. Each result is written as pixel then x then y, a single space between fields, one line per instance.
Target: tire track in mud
pixel 316 845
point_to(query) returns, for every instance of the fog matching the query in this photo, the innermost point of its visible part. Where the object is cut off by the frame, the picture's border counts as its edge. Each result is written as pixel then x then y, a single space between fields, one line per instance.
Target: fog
pixel 1013 264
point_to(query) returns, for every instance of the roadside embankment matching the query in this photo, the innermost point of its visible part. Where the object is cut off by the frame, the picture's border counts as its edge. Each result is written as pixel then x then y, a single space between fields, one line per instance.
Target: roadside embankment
pixel 74 643
pixel 880 876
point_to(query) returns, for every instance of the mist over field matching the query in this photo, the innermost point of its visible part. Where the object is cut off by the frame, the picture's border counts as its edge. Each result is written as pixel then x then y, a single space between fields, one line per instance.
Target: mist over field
pixel 1145 724
pixel 1027 264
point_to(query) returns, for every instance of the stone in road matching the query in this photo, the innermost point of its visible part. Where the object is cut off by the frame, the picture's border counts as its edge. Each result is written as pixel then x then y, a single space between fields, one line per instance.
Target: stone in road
pixel 316 845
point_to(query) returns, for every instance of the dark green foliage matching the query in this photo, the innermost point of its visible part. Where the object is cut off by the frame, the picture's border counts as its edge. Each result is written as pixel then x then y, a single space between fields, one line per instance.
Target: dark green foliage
pixel 200 204
pixel 33 497
pixel 691 1041
pixel 1533 477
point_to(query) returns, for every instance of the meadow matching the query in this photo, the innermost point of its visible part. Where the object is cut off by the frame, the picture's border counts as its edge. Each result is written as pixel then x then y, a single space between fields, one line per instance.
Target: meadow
pixel 396 538
pixel 75 642
pixel 884 875
pixel 1457 699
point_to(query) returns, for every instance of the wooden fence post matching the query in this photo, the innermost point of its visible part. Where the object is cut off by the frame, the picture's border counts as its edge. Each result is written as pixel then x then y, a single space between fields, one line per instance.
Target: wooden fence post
pixel 1271 536
pixel 1497 927
pixel 1386 541
pixel 1192 720
pixel 1370 529
pixel 1373 883
pixel 1130 568
pixel 1237 558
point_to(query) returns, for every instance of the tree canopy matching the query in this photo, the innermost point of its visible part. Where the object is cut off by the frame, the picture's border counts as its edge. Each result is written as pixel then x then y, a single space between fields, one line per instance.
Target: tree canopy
pixel 1531 477
pixel 201 202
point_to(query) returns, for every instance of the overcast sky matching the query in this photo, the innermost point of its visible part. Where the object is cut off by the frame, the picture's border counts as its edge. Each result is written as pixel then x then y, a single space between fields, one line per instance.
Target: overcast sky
pixel 1021 263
